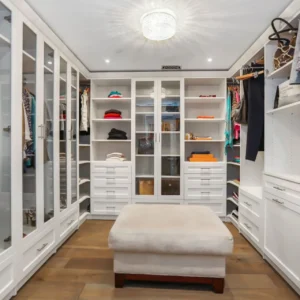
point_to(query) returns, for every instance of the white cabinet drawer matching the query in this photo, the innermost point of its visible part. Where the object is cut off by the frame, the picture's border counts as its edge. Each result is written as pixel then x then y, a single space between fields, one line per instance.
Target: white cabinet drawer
pixel 250 203
pixel 205 193
pixel 111 169
pixel 204 168
pixel 6 276
pixel 121 191
pixel 36 252
pixel 218 208
pixel 192 180
pixel 106 208
pixel 285 189
pixel 251 229
pixel 68 222
pixel 245 210
pixel 103 180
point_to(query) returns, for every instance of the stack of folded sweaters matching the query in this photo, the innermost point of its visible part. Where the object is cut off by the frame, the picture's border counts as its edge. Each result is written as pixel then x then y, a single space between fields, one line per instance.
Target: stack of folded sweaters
pixel 115 156
pixel 115 94
pixel 113 114
pixel 202 156
pixel 116 134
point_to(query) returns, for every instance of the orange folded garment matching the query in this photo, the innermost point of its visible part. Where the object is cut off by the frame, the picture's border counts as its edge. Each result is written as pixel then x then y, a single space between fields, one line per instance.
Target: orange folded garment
pixel 202 155
pixel 208 159
pixel 205 117
pixel 203 138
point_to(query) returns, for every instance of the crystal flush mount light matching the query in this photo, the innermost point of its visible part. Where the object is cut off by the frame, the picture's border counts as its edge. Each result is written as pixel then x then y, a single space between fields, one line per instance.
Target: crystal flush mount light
pixel 159 24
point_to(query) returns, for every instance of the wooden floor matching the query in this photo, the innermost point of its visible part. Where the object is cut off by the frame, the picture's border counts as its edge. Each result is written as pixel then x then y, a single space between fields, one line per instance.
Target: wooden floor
pixel 83 270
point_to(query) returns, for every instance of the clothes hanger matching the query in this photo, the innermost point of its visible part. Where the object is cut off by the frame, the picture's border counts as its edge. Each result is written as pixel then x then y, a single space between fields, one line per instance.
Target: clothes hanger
pixel 250 75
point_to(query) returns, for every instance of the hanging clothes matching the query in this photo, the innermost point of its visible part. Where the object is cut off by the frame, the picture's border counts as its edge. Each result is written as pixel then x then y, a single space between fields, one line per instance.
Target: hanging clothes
pixel 255 95
pixel 228 130
pixel 84 124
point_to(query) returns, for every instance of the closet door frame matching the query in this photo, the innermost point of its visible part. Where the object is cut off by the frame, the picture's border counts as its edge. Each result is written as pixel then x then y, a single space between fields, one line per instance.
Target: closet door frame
pixel 143 198
pixel 158 157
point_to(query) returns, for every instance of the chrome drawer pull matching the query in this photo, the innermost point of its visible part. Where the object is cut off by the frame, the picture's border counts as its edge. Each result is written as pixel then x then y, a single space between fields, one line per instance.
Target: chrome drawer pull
pixel 43 247
pixel 248 204
pixel 70 222
pixel 247 226
pixel 278 188
pixel 110 207
pixel 279 202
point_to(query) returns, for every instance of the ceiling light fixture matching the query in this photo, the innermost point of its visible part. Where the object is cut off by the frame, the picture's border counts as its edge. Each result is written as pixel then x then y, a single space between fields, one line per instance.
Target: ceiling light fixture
pixel 107 61
pixel 159 24
pixel 209 59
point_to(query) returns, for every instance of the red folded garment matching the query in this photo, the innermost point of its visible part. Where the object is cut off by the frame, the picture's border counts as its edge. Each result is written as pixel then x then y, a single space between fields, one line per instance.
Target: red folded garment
pixel 106 117
pixel 113 115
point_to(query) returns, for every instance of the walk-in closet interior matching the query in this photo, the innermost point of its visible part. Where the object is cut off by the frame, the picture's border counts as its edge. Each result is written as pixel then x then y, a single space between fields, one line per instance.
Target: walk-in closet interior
pixel 97 112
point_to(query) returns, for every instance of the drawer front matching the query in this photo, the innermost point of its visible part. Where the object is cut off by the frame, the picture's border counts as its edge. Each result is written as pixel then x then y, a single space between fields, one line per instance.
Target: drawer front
pixel 67 224
pixel 250 203
pixel 204 168
pixel 104 180
pixel 247 226
pixel 37 251
pixel 111 169
pixel 6 277
pixel 193 180
pixel 114 192
pixel 110 209
pixel 218 208
pixel 284 189
pixel 205 193
pixel 254 218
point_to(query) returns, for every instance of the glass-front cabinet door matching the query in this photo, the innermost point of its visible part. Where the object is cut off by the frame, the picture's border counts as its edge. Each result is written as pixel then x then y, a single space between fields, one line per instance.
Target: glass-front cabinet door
pixel 48 132
pixel 169 138
pixel 5 123
pixel 63 136
pixel 73 135
pixel 145 138
pixel 31 134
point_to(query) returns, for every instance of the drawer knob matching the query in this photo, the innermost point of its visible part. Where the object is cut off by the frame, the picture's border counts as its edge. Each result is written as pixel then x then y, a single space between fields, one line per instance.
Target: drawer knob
pixel 278 188
pixel 247 226
pixel 43 247
pixel 279 202
pixel 248 204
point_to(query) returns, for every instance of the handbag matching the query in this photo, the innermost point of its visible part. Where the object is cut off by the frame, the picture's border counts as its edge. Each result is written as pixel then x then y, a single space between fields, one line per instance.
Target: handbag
pixel 286 47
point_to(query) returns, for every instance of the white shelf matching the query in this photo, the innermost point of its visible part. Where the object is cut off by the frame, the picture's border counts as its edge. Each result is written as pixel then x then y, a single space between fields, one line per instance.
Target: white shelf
pixel 26 54
pixel 237 146
pixel 144 96
pixel 145 113
pixel 234 164
pixel 204 100
pixel 144 176
pixel 111 120
pixel 48 69
pixel 84 145
pixel 82 181
pixel 112 99
pixel 73 87
pixel 145 155
pixel 292 178
pixel 205 141
pixel 114 141
pixel 283 108
pixel 170 132
pixel 84 162
pixel 143 132
pixel 83 198
pixel 233 201
pixel 167 113
pixel 256 192
pixel 170 155
pixel 63 79
pixel 4 40
pixel 169 177
pixel 233 221
pixel 283 72
pixel 171 96
pixel 215 120
pixel 233 183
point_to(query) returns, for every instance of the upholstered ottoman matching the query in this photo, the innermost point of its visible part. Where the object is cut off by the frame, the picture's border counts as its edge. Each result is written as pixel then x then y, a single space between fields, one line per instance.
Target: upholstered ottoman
pixel 171 243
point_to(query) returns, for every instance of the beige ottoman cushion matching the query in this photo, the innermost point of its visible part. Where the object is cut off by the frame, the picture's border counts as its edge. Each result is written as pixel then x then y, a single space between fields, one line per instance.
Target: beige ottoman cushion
pixel 174 229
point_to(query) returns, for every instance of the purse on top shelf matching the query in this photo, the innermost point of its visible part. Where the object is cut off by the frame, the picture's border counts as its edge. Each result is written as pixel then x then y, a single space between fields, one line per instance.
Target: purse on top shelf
pixel 286 46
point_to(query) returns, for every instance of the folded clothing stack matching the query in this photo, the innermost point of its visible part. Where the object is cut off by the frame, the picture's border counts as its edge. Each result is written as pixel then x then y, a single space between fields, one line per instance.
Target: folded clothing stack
pixel 191 137
pixel 237 159
pixel 235 196
pixel 115 156
pixel 116 134
pixel 115 94
pixel 113 114
pixel 202 156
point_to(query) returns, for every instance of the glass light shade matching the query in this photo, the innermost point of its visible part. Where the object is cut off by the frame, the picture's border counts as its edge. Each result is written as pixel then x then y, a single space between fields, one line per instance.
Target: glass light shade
pixel 159 24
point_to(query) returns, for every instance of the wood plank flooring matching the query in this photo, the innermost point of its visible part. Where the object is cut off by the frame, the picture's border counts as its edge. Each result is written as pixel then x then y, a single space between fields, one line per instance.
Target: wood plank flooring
pixel 82 269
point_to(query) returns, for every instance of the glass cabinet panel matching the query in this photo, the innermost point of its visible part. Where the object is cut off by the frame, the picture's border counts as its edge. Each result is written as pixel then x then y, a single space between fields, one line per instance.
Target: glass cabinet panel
pixel 5 123
pixel 29 132
pixel 170 138
pixel 73 136
pixel 145 138
pixel 48 132
pixel 63 134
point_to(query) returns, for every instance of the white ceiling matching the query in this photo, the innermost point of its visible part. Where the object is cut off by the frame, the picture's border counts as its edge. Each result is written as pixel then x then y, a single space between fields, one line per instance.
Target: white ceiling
pixel 96 30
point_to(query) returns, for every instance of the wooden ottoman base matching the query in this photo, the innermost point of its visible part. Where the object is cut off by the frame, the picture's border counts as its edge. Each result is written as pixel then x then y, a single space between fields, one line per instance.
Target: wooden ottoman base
pixel 217 283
